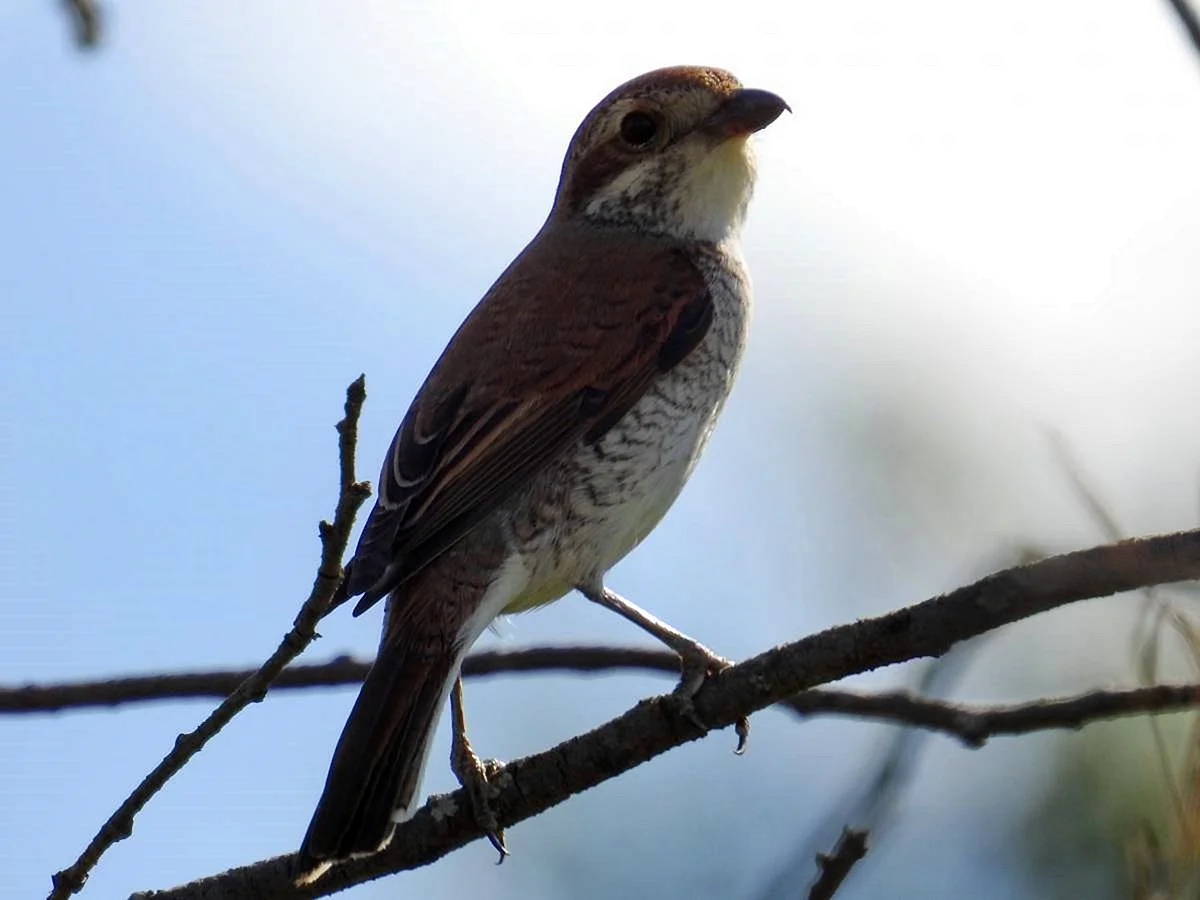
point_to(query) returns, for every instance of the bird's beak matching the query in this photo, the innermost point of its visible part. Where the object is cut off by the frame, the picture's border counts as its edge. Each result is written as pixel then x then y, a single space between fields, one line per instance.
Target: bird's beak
pixel 744 112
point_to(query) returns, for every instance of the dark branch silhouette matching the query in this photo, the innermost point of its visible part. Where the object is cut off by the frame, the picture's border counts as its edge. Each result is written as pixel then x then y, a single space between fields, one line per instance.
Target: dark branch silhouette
pixel 870 800
pixel 334 538
pixel 972 725
pixel 531 785
pixel 342 670
pixel 1189 20
pixel 85 22
pixel 85 19
pixel 833 868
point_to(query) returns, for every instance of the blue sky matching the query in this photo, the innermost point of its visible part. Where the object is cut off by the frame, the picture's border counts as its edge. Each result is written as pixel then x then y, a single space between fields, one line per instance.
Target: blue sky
pixel 981 221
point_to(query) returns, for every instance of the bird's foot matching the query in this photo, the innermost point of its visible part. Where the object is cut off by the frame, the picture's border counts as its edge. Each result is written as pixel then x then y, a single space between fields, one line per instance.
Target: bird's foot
pixel 697 663
pixel 476 776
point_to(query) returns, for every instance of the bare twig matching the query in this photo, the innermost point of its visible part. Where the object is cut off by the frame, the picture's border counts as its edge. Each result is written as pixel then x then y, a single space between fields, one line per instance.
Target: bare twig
pixel 1189 21
pixel 529 786
pixel 334 538
pixel 85 22
pixel 343 670
pixel 973 725
pixel 833 868
pixel 1081 485
pixel 870 801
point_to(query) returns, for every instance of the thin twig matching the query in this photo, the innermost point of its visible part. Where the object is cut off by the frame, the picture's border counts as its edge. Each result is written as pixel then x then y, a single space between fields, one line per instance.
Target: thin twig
pixel 342 670
pixel 85 22
pixel 1189 20
pixel 972 725
pixel 334 538
pixel 1090 499
pixel 529 786
pixel 833 868
pixel 870 800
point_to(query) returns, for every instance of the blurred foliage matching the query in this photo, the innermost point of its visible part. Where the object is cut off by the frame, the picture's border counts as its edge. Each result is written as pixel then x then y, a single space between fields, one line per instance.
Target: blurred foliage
pixel 1120 817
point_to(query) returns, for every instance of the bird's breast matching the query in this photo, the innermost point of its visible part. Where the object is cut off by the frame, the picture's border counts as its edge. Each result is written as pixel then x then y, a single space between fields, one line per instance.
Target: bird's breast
pixel 593 506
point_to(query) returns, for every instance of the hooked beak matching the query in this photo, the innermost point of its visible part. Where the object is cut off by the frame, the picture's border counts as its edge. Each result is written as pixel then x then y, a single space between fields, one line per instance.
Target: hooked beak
pixel 744 112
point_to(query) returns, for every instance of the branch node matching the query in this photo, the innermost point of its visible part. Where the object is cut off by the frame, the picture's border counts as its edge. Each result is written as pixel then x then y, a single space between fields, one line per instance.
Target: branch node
pixel 123 828
pixel 971 731
pixel 68 882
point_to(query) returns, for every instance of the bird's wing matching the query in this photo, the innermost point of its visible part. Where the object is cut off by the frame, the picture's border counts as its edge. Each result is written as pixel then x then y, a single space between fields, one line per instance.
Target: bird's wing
pixel 562 346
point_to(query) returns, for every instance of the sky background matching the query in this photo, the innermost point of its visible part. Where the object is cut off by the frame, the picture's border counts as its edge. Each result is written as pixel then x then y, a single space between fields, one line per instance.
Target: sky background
pixel 979 226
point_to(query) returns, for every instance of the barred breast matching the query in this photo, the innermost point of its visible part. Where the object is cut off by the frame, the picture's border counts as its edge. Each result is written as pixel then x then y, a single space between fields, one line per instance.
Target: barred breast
pixel 590 508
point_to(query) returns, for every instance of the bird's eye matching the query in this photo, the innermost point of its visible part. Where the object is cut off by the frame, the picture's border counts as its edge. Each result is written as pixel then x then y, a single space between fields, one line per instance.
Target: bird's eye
pixel 638 128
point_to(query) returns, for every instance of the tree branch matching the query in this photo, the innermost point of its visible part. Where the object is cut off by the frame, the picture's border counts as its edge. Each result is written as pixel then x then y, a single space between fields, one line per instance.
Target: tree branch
pixel 334 538
pixel 1189 21
pixel 529 786
pixel 833 868
pixel 342 670
pixel 85 22
pixel 973 725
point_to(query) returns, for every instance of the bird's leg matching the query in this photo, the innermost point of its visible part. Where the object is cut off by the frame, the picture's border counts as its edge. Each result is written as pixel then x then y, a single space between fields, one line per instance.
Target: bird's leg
pixel 472 772
pixel 696 661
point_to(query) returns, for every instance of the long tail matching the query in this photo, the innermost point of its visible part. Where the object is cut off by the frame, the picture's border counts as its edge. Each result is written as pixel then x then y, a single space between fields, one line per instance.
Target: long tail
pixel 377 766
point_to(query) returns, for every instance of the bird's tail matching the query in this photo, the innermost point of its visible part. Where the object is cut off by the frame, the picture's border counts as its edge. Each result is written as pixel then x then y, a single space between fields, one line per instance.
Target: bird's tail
pixel 380 757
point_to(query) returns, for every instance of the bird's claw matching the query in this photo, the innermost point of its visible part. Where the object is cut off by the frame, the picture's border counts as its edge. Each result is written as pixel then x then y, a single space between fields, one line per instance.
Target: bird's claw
pixel 742 729
pixel 697 663
pixel 476 776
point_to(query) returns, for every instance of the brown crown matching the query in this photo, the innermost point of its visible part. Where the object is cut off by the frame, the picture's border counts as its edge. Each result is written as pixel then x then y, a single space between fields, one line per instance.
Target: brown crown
pixel 596 155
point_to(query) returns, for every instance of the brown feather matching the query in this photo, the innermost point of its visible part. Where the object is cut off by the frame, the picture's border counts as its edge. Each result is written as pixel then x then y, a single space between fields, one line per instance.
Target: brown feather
pixel 578 329
pixel 565 342
pixel 377 764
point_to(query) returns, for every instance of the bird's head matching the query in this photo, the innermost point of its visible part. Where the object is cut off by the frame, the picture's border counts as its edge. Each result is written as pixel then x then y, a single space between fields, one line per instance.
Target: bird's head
pixel 667 153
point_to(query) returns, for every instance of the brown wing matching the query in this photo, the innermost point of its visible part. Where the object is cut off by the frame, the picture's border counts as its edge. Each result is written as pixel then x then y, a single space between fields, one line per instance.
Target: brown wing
pixel 562 346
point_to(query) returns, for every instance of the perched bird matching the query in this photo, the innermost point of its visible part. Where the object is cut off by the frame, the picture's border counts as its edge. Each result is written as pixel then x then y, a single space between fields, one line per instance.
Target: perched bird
pixel 556 429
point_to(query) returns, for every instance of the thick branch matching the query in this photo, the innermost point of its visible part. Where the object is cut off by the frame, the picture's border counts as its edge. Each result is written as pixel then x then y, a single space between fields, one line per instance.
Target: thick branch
pixel 529 786
pixel 334 538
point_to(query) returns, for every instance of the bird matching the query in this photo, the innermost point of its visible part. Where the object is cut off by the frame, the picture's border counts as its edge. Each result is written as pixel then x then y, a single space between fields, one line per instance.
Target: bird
pixel 555 430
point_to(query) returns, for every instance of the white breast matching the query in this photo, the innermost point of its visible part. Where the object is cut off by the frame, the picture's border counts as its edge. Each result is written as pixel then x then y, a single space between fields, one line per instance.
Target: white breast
pixel 600 502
